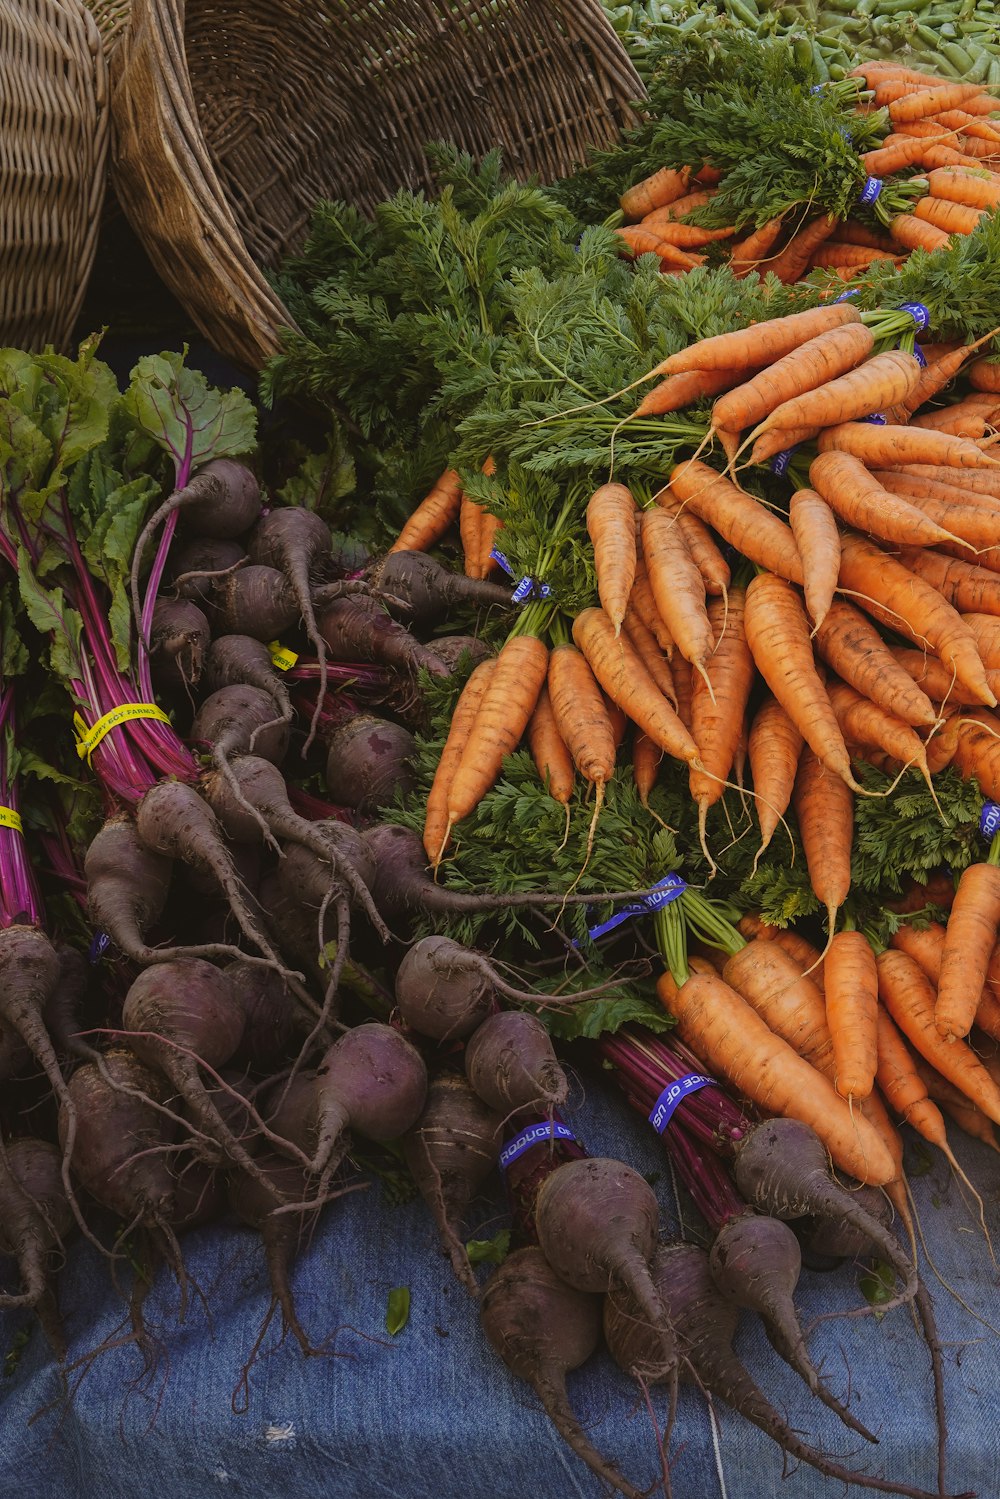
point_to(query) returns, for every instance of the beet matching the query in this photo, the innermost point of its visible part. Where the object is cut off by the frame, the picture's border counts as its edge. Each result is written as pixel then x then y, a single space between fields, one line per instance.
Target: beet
pixel 295 540
pixel 253 1202
pixel 368 761
pixel 179 642
pixel 441 994
pixel 450 1152
pixel 510 1063
pixel 118 1151
pixel 196 566
pixel 256 601
pixel 452 648
pixel 236 659
pixel 241 720
pixel 418 590
pixel 542 1329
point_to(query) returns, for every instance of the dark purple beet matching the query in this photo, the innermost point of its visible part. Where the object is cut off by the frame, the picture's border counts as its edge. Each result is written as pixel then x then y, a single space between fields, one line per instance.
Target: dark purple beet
pixel 368 762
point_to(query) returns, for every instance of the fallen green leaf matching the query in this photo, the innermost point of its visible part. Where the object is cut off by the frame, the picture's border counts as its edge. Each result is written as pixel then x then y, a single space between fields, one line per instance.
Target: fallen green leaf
pixel 489 1251
pixel 398 1311
pixel 878 1286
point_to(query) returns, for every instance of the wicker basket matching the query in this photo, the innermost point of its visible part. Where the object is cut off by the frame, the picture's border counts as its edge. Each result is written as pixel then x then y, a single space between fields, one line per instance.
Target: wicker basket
pixel 112 18
pixel 233 119
pixel 54 125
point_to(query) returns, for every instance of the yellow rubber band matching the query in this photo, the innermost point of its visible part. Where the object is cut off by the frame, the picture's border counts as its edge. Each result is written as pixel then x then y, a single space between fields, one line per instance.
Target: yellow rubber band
pixel 283 658
pixel 11 819
pixel 89 739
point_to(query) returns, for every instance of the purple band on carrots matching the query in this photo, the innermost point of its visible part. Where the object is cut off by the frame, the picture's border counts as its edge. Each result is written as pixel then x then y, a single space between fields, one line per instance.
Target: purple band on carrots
pixel 673 1095
pixel 989 819
pixel 662 893
pixel 918 312
pixel 870 189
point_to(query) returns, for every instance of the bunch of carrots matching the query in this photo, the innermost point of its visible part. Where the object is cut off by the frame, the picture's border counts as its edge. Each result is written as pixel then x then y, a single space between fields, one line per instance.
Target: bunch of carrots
pixel 938 126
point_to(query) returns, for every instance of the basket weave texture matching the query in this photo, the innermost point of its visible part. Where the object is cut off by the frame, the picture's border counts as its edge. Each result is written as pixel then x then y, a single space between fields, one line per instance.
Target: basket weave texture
pixel 54 127
pixel 234 118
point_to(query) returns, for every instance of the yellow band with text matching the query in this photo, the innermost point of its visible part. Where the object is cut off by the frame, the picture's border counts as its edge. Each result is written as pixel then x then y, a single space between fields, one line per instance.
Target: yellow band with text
pixel 11 819
pixel 89 739
pixel 283 658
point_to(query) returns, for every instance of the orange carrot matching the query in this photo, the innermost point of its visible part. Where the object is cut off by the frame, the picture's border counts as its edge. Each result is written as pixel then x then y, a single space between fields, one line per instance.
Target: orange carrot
pixel 758 345
pixel 858 498
pixel 774 749
pixel 968 588
pixel 970 516
pixel 912 607
pixel 851 989
pixel 470 522
pixel 778 634
pixel 882 447
pixel 968 944
pixel 646 757
pixel 824 810
pixel 678 587
pixel 984 375
pixel 716 724
pixel 969 125
pixel 950 217
pixel 436 512
pixel 848 257
pixel 641 241
pixel 930 101
pixel 654 660
pixel 818 540
pixel 673 231
pixel 652 192
pixel 905 1090
pixel 963 185
pixel 771 980
pixel 879 382
pixel 678 208
pixel 805 955
pixel 916 234
pixel 791 264
pixel 684 687
pixel 723 1030
pixel 504 713
pixel 977 753
pixel 462 719
pixel 854 232
pixel 548 750
pixel 582 719
pixel 849 643
pixel 779 441
pixel 903 151
pixel 645 607
pixel 708 559
pixel 983 629
pixel 864 722
pixel 936 680
pixel 813 363
pixel 616 665
pixel 750 253
pixel 924 945
pixel 611 516
pixel 909 997
pixel 618 719
pixel 745 523
pixel 936 158
pixel 677 391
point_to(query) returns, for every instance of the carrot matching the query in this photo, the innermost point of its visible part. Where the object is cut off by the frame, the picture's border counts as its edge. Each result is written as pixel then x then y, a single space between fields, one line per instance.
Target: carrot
pixel 504 713
pixel 466 709
pixel 895 153
pixel 616 665
pixel 683 686
pixel 950 217
pixel 879 382
pixel 470 524
pixel 818 540
pixel 916 234
pixel 984 375
pixel 678 587
pixel 646 757
pixel 779 441
pixel 436 512
pixel 986 481
pixel 851 991
pixel 778 634
pixel 972 517
pixel 677 391
pixel 968 588
pixel 936 158
pixel 909 997
pixel 774 749
pixel 663 187
pixel 738 517
pixel 618 719
pixel 850 644
pixel 641 241
pixel 858 498
pixel 709 561
pixel 793 261
pixel 939 373
pixel 923 944
pixel 983 628
pixel 882 447
pixel 936 680
pixel 969 125
pixel 645 607
pixel 912 607
pixel 673 231
pixel 865 723
pixel 963 185
pixel 824 810
pixel 930 101
pixel 487 541
pixel 968 945
pixel 723 1030
pixel 848 257
pixel 717 722
pixel 759 345
pixel 977 754
pixel 548 750
pixel 813 363
pixel 654 660
pixel 967 418
pixel 583 722
pixel 611 527
pixel 668 213
pixel 854 232
pixel 771 980
pixel 797 947
pixel 747 254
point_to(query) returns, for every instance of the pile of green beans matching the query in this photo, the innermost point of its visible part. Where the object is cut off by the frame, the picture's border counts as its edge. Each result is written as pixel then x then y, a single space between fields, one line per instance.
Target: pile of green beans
pixel 958 40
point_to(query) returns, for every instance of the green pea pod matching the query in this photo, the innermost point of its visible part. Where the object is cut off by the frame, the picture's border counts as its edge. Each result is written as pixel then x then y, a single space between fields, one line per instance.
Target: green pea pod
pixel 837 71
pixel 983 58
pixel 958 57
pixel 993 76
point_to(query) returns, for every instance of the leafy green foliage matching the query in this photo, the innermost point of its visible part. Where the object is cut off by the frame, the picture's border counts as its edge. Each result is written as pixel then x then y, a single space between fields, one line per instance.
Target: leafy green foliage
pixel 959 285
pixel 174 407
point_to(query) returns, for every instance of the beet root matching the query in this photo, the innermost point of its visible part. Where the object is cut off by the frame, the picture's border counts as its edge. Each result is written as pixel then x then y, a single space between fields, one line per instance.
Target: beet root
pixel 268 1014
pixel 196 566
pixel 597 1222
pixel 233 659
pixel 510 1063
pixel 120 1149
pixel 253 1201
pixel 706 1323
pixel 756 1261
pixel 295 540
pixel 178 643
pixel 452 648
pixel 368 761
pixel 257 601
pixel 782 1169
pixel 542 1329
pixel 35 1215
pixel 236 719
pixel 450 1152
pixel 371 1081
pixel 439 992
pixel 418 590
pixel 358 629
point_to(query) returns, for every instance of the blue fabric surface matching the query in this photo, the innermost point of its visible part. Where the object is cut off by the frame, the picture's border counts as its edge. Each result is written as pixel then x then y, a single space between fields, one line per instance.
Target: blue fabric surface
pixel 432 1414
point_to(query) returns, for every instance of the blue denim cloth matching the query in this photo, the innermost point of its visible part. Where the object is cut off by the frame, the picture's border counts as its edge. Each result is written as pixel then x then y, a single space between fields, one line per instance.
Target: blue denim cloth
pixel 432 1414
